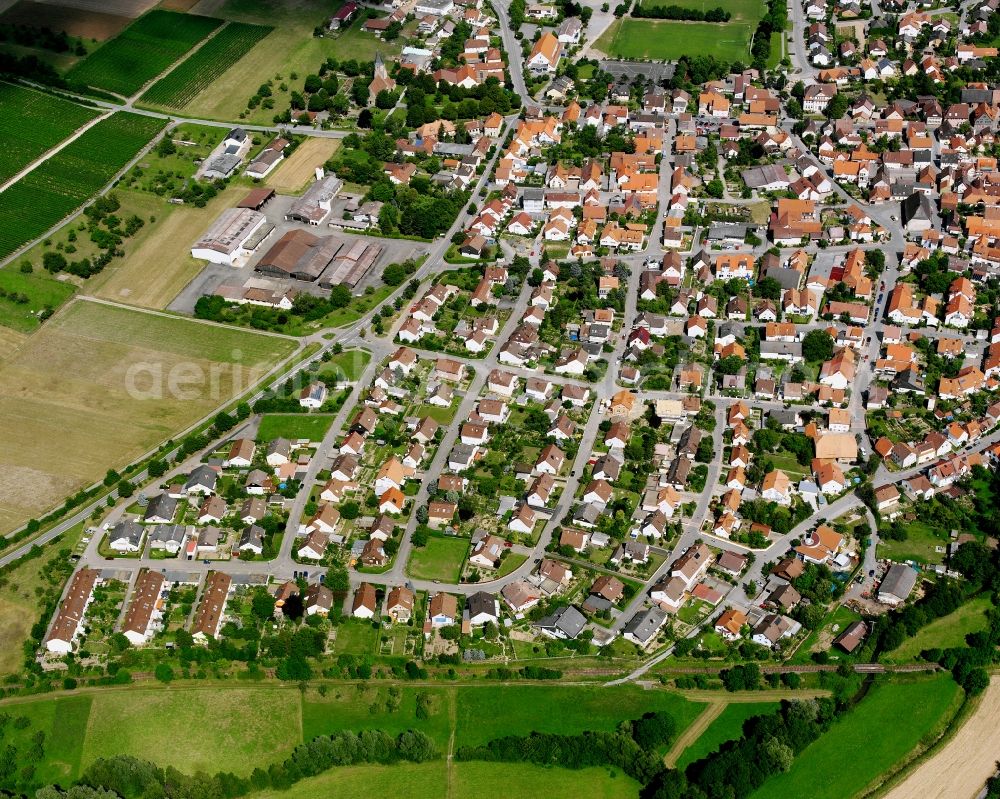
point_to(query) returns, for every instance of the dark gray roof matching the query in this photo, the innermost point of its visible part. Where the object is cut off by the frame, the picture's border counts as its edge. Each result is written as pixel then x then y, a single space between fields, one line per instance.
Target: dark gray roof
pixel 645 624
pixel 898 581
pixel 566 620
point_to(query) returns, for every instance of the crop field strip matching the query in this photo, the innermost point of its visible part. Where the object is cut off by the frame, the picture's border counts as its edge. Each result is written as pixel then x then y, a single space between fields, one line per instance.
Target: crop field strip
pixel 33 123
pixel 182 84
pixel 142 51
pixel 64 182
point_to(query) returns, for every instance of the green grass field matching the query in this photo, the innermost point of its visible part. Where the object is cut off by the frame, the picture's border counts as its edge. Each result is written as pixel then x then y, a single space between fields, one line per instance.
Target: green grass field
pixel 237 729
pixel 441 559
pixel 294 425
pixel 183 83
pixel 726 727
pixel 32 123
pixel 64 722
pixel 869 741
pixel 667 40
pixel 64 182
pixel 945 632
pixel 348 364
pixel 142 51
pixel 41 291
pixel 921 540
pixel 492 711
pixel 350 707
pixel 97 386
pixel 356 637
pixel 465 781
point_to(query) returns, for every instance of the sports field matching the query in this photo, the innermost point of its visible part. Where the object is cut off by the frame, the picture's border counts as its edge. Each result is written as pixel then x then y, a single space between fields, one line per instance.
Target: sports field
pixel 884 728
pixel 668 40
pixel 142 51
pixel 292 175
pixel 441 559
pixel 32 123
pixel 61 184
pixel 98 385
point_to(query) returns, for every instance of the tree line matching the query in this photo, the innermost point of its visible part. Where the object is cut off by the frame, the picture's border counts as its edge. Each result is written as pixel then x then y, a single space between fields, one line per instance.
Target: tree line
pixel 132 778
pixel 717 14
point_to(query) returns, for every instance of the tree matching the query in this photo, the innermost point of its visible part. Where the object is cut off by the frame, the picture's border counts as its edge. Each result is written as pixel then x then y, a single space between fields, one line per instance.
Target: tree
pixel 263 605
pixel 768 289
pixel 817 346
pixel 164 673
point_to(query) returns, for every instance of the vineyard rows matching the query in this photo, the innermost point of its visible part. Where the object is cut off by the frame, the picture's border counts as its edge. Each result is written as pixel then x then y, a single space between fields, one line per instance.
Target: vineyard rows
pixel 142 51
pixel 33 123
pixel 180 86
pixel 67 180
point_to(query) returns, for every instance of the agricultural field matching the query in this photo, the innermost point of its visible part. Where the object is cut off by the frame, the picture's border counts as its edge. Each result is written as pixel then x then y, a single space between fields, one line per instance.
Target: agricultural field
pixel 949 631
pixel 71 177
pixel 877 735
pixel 668 40
pixel 99 385
pixel 142 51
pixel 33 123
pixel 157 264
pixel 23 296
pixel 180 86
pixel 292 175
pixel 290 48
pixel 441 559
pixel 240 728
pixel 294 426
pixel 82 22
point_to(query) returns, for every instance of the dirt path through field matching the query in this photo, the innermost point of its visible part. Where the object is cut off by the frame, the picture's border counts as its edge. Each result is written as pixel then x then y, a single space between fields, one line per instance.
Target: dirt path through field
pixel 694 732
pixel 961 767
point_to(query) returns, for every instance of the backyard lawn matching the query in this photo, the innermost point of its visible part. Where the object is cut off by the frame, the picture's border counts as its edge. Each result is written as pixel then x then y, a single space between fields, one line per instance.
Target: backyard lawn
pixel 921 541
pixel 441 559
pixel 885 727
pixel 356 637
